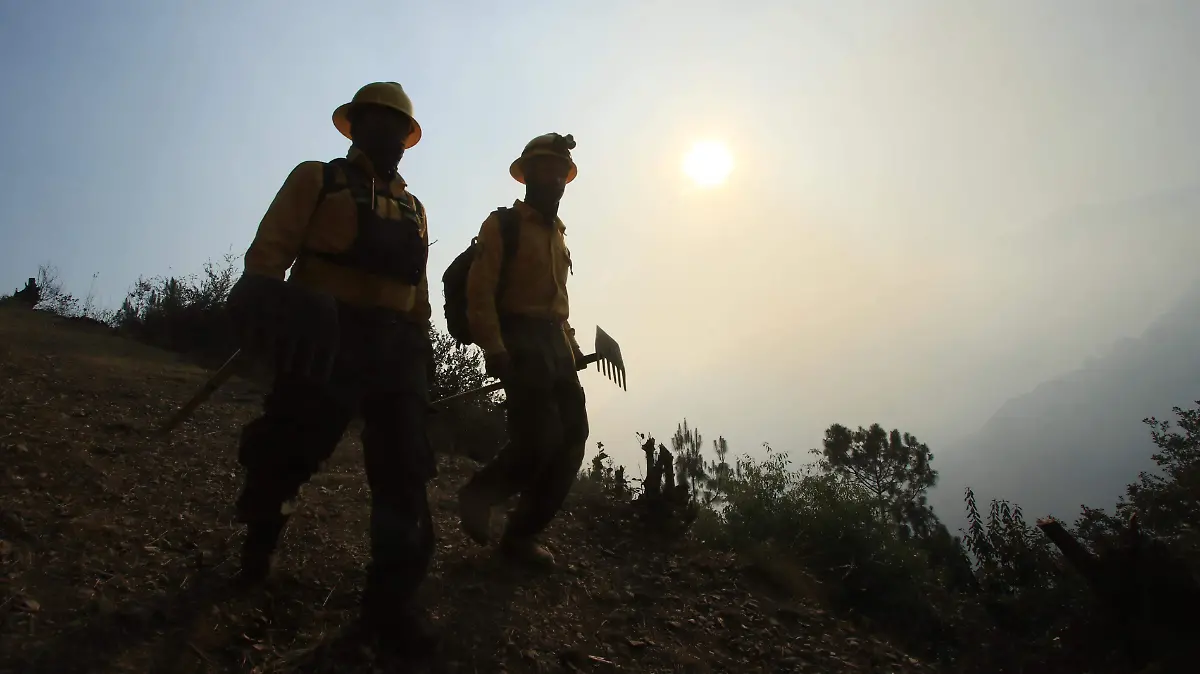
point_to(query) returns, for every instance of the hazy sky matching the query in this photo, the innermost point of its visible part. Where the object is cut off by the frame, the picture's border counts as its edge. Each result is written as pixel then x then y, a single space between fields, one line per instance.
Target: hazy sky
pixel 845 272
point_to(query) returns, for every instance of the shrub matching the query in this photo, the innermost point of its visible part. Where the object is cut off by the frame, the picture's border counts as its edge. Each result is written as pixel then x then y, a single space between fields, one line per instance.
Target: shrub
pixel 184 314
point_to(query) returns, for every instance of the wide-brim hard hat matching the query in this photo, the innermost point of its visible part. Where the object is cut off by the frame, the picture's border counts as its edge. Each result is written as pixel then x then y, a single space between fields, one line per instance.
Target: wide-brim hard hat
pixel 551 144
pixel 387 94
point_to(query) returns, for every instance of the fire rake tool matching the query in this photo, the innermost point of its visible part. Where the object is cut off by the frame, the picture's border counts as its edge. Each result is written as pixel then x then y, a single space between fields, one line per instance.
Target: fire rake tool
pixel 607 359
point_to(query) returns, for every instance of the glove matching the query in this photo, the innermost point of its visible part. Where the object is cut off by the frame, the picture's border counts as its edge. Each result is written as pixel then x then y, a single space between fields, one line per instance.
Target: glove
pixel 499 365
pixel 296 326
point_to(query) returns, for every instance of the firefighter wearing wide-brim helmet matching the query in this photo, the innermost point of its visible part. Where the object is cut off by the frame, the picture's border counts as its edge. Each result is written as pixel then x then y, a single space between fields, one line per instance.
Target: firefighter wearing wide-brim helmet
pixel 546 145
pixel 356 243
pixel 385 94
pixel 513 304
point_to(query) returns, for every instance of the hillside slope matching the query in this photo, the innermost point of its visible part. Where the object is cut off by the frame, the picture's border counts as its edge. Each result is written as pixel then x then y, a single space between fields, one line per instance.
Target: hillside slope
pixel 116 548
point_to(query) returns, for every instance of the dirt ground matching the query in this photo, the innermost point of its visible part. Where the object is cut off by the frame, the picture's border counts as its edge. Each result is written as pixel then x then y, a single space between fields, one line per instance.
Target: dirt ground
pixel 116 548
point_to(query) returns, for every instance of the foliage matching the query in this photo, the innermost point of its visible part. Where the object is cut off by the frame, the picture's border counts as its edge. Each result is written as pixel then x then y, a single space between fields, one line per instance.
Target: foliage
pixel 831 527
pixel 718 470
pixel 894 469
pixel 1001 598
pixel 459 368
pixel 603 475
pixel 688 447
pixel 475 424
pixel 1023 583
pixel 1168 503
pixel 184 314
pixel 45 293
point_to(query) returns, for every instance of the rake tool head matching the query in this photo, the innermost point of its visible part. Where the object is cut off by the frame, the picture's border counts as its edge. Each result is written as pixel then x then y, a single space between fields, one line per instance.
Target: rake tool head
pixel 610 362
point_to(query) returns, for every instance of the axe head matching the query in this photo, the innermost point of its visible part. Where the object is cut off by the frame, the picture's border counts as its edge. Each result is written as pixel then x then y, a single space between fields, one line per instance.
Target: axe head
pixel 610 362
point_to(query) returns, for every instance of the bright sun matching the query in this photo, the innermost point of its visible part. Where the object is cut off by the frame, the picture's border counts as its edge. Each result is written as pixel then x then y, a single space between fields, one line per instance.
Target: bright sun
pixel 708 163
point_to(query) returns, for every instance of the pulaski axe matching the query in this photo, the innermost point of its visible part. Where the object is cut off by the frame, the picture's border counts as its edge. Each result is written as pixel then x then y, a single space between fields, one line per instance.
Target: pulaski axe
pixel 214 382
pixel 607 359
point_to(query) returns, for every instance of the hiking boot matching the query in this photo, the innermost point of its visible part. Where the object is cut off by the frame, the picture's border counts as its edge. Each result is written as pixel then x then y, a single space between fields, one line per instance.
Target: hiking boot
pixel 475 514
pixel 526 551
pixel 255 569
pixel 401 633
pixel 258 550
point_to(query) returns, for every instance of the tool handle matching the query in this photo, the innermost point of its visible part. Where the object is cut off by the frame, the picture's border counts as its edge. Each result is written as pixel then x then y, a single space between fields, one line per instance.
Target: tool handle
pixel 496 385
pixel 214 382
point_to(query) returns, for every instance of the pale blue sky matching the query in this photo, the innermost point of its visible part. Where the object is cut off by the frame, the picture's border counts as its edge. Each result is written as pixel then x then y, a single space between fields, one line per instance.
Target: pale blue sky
pixel 845 273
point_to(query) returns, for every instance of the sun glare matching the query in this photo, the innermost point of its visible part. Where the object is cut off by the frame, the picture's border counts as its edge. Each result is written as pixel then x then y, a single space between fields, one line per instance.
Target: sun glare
pixel 708 163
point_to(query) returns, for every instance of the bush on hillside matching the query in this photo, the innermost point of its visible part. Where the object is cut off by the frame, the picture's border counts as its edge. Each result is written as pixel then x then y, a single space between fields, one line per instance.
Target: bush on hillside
pixel 471 426
pixel 831 527
pixel 29 296
pixel 1002 598
pixel 183 314
pixel 45 292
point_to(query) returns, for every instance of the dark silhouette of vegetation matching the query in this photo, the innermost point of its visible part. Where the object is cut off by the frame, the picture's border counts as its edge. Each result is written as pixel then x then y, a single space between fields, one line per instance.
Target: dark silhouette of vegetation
pixel 28 296
pixel 895 470
pixel 45 293
pixel 183 314
pixel 854 528
pixel 471 426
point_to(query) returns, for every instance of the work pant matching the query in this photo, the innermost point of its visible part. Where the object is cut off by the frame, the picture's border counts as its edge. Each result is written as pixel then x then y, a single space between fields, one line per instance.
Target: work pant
pixel 547 427
pixel 380 373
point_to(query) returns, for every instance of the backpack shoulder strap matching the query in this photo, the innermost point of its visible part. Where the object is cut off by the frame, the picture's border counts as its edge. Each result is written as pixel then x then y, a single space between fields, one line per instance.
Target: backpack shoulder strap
pixel 509 230
pixel 333 177
pixel 418 208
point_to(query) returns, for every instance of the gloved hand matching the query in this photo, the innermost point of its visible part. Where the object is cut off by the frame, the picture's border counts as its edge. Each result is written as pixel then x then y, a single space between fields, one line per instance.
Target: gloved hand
pixel 297 327
pixel 499 365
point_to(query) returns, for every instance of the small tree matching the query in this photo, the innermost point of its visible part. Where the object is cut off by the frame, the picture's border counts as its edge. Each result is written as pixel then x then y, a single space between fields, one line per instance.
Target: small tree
pixel 689 458
pixel 459 368
pixel 1169 503
pixel 475 426
pixel 184 314
pixel 719 470
pixel 51 296
pixel 894 469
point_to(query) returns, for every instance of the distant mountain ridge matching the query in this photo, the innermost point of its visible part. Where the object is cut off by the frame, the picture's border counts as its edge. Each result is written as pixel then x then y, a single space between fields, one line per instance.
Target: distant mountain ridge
pixel 1077 438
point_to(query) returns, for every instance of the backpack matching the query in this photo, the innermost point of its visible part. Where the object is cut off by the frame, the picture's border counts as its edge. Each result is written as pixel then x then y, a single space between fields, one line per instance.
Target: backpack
pixel 454 281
